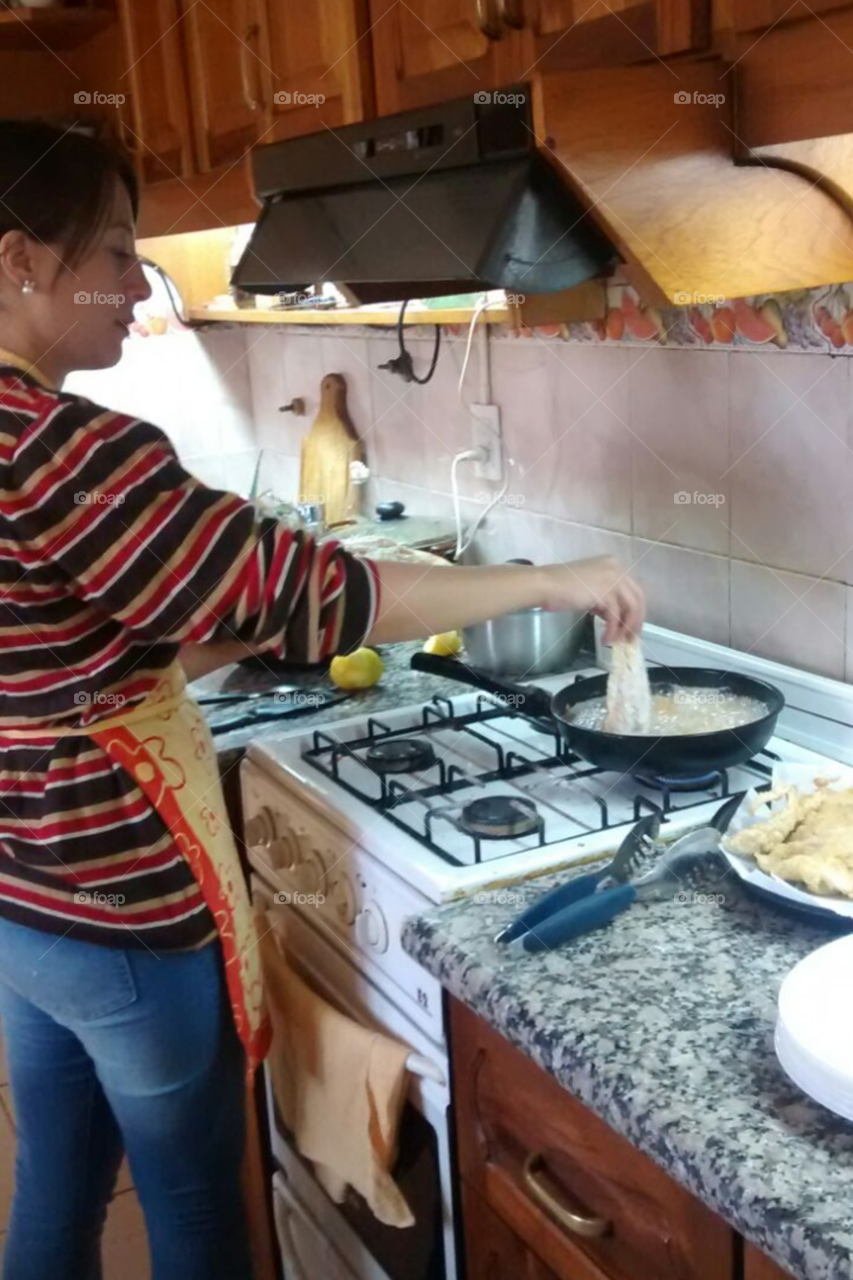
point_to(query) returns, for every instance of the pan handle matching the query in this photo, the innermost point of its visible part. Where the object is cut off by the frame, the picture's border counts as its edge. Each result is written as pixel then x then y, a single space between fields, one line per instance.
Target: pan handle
pixel 525 698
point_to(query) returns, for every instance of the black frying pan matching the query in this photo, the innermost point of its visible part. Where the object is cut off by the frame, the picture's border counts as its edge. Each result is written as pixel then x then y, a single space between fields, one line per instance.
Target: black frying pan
pixel 682 756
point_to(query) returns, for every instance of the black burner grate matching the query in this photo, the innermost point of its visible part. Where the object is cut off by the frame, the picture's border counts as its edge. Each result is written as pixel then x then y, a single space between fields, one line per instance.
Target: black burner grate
pixel 435 793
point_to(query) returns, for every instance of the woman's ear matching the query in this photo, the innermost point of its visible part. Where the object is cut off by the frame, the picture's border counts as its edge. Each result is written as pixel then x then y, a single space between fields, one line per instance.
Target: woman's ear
pixel 16 260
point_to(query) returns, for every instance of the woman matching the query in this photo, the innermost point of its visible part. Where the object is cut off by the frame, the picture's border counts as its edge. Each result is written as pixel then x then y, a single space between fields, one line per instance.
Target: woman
pixel 129 990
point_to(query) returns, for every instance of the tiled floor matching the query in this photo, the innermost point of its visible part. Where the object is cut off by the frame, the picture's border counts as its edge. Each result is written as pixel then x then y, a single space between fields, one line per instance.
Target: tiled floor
pixel 125 1245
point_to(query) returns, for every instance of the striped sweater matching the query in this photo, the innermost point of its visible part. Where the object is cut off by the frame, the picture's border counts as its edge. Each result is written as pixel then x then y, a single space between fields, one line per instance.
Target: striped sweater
pixel 111 557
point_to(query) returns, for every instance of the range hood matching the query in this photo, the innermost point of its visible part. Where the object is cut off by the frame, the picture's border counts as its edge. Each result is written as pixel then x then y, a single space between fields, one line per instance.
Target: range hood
pixel 453 198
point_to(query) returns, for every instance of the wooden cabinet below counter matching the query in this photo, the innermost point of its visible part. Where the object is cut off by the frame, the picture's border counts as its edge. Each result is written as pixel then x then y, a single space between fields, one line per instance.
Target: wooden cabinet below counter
pixel 574 1195
pixel 757 1266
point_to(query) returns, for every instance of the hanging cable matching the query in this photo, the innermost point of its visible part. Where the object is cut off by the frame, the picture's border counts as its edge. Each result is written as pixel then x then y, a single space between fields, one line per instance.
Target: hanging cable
pixel 402 364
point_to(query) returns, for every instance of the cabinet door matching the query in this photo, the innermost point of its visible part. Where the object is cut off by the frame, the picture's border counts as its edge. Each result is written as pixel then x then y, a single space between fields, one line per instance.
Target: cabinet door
pixel 428 51
pixel 492 1251
pixel 757 1266
pixel 223 40
pixel 316 65
pixel 757 15
pixel 155 117
pixel 575 33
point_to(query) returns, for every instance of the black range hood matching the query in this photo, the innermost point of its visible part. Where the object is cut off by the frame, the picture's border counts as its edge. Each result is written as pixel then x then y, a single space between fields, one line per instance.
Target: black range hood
pixel 449 199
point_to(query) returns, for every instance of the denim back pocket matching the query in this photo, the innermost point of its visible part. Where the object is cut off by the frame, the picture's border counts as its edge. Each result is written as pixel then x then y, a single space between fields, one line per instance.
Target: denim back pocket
pixel 71 981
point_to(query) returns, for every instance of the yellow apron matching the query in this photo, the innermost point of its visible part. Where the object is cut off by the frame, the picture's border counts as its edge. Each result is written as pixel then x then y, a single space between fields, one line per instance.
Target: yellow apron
pixel 166 746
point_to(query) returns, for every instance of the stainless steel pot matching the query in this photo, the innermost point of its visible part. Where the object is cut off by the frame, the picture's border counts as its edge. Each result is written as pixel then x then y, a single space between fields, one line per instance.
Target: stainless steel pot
pixel 527 644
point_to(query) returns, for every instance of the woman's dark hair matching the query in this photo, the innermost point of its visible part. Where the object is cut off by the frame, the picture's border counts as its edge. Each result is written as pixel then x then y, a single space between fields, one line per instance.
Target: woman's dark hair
pixel 58 186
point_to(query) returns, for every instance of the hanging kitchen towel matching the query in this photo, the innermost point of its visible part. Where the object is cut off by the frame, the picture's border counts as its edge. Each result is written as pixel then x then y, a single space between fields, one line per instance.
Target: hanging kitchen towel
pixel 340 1088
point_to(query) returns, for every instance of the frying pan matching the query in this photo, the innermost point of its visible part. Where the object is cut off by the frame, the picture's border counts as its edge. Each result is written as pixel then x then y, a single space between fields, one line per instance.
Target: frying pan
pixel 676 755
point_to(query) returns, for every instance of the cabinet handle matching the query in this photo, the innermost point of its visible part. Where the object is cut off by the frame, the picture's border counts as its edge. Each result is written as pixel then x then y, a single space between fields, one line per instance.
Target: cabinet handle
pixel 250 98
pixel 512 13
pixel 489 18
pixel 577 1224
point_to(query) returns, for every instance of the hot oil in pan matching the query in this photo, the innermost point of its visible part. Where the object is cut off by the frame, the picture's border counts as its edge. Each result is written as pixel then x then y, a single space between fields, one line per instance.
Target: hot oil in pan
pixel 682 711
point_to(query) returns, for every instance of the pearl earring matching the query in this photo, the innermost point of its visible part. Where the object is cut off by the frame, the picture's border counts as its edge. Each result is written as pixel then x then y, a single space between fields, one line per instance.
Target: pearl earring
pixel 29 286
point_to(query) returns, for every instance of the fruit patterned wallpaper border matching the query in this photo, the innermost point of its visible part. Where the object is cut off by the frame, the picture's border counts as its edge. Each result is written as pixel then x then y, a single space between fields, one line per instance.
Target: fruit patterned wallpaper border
pixel 806 320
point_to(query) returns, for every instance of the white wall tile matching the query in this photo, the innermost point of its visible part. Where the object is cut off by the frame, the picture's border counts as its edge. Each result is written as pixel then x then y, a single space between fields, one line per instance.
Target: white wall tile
pixel 686 590
pixel 565 423
pixel 789 617
pixel 792 465
pixel 848 635
pixel 680 446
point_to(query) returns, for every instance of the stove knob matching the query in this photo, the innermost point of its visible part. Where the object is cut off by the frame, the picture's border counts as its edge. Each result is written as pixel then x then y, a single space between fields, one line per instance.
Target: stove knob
pixel 342 898
pixel 260 830
pixel 312 872
pixel 284 852
pixel 371 929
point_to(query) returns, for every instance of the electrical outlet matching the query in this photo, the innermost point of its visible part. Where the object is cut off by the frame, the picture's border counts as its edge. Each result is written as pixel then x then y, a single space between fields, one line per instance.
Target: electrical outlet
pixel 487 436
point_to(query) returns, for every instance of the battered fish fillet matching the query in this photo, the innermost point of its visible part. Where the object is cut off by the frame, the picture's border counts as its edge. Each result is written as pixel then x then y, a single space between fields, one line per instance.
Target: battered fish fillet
pixel 809 842
pixel 629 698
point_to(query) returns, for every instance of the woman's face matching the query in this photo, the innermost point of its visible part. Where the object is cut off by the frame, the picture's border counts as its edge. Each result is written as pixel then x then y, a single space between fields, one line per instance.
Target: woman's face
pixel 77 316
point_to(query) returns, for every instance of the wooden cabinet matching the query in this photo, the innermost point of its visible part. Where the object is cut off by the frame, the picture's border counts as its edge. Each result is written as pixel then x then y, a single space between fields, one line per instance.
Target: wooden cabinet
pixel 428 51
pixel 575 33
pixel 155 119
pixel 757 1266
pixel 316 66
pixel 225 65
pixel 759 15
pixel 492 1252
pixel 577 1196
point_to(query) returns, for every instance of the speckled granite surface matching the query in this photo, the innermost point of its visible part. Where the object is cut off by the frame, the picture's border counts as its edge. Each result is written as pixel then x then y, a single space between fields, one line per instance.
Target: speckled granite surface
pixel 399 685
pixel 662 1023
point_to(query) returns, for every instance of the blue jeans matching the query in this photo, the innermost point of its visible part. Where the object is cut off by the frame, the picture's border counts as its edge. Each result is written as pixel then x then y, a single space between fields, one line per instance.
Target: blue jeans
pixel 110 1051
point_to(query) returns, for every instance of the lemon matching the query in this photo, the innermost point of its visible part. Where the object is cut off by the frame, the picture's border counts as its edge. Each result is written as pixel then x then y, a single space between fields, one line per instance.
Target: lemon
pixel 359 670
pixel 446 645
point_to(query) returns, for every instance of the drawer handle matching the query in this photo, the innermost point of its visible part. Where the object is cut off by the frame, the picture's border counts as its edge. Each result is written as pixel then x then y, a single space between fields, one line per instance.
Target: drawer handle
pixel 577 1224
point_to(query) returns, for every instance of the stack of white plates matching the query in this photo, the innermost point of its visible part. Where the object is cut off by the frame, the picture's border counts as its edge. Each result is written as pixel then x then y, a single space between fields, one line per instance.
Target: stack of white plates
pixel 814 1031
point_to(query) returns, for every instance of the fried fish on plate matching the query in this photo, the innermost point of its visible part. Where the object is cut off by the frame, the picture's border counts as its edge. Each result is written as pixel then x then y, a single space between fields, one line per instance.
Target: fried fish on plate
pixel 809 842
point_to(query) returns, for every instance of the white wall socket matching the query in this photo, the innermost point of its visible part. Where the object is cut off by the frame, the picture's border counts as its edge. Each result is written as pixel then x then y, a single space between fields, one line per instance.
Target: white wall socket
pixel 487 435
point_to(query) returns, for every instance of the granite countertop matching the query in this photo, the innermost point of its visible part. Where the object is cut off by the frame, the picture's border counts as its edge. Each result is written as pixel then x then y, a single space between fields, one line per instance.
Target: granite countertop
pixel 399 685
pixel 662 1023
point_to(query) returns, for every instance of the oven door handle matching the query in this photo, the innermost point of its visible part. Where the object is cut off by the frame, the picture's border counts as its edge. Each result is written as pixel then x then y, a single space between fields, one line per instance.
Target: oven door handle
pixel 418 1065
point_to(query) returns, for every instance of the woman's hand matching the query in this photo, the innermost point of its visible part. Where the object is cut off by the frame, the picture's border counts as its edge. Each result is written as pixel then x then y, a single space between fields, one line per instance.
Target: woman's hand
pixel 604 587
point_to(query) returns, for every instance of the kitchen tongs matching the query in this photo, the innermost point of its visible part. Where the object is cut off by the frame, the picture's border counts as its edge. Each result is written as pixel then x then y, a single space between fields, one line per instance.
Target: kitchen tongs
pixel 591 900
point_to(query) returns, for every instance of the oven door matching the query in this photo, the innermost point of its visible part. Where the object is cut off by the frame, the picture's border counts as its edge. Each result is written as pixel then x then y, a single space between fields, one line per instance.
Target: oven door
pixel 374 1251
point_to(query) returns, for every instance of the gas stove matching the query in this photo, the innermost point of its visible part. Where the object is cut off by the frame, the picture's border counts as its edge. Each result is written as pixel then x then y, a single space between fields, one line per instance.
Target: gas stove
pixel 457 794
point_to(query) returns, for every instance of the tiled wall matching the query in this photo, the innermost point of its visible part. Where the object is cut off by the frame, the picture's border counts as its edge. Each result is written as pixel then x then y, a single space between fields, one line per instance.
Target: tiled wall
pixel 601 438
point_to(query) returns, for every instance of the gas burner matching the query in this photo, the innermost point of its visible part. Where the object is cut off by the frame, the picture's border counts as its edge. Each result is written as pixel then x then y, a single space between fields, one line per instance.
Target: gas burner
pixel 400 755
pixel 700 782
pixel 500 817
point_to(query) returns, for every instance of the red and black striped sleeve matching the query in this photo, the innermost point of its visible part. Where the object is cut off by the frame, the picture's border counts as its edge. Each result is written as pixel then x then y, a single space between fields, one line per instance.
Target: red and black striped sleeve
pixel 103 497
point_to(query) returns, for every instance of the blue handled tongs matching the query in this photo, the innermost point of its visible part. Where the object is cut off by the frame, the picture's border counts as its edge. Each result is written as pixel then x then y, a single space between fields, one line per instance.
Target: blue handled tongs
pixel 591 900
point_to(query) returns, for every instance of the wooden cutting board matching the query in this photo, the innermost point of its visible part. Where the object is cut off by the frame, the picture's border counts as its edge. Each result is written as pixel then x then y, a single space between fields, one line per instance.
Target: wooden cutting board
pixel 327 451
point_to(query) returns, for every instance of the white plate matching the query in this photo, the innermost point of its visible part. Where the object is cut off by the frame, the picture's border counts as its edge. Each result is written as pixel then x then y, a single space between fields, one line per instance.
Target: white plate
pixel 814 1032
